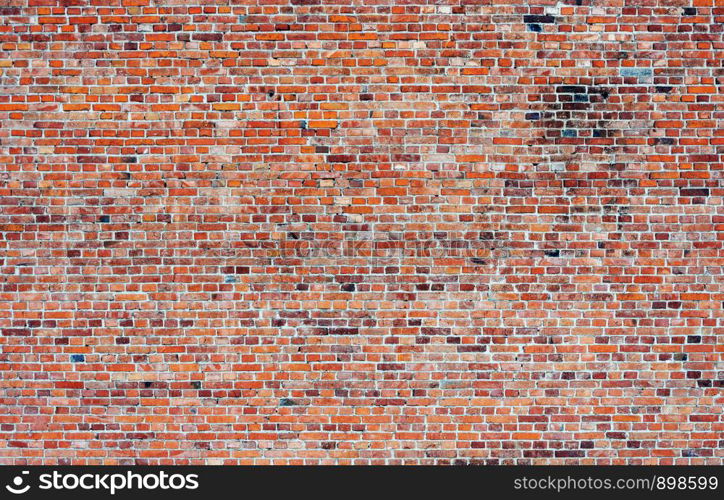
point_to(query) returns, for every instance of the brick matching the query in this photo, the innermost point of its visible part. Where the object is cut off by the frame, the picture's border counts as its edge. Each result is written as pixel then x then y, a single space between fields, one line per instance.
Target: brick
pixel 312 232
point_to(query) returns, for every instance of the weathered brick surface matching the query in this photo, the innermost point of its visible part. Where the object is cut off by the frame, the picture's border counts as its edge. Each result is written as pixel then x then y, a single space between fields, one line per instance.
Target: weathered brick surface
pixel 361 231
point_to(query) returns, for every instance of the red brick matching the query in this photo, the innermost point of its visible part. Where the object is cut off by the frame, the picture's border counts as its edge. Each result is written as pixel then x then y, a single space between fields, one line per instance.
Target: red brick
pixel 361 233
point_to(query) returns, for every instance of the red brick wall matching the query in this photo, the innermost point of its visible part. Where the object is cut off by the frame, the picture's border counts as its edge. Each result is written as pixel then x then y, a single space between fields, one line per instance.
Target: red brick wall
pixel 317 231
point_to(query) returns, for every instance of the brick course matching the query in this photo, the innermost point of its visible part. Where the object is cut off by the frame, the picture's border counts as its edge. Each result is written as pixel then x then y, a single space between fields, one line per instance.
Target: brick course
pixel 356 232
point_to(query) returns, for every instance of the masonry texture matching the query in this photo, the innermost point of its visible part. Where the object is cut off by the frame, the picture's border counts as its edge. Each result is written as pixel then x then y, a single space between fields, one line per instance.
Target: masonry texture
pixel 361 231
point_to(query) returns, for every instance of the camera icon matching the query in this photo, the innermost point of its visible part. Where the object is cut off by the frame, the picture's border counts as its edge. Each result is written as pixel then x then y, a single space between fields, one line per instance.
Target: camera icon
pixel 18 488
